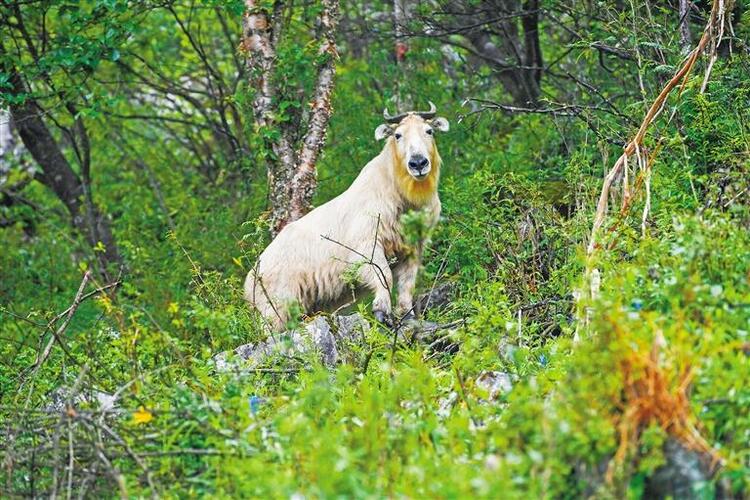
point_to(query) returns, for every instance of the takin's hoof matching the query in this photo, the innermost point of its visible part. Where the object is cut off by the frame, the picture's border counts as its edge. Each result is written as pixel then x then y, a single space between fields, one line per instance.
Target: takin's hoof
pixel 383 318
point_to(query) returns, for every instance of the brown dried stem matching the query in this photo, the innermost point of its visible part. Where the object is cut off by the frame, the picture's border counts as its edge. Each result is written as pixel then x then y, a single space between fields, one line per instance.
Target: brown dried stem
pixel 710 40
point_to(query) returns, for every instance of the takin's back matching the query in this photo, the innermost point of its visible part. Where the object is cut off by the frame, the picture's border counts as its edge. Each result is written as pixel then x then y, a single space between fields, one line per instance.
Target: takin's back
pixel 306 261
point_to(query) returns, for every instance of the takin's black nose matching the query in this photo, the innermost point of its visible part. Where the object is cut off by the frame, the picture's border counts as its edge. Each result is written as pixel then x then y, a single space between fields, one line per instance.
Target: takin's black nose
pixel 418 164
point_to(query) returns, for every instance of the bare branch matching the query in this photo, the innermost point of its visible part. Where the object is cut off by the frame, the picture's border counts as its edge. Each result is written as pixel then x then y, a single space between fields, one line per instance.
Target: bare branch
pixel 712 33
pixel 57 334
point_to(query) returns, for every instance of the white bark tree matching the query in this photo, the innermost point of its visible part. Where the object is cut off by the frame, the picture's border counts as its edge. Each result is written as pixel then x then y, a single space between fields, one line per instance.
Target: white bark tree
pixel 292 176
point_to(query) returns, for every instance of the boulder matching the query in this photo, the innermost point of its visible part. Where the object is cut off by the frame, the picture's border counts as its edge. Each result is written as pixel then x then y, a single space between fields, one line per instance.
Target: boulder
pixel 329 337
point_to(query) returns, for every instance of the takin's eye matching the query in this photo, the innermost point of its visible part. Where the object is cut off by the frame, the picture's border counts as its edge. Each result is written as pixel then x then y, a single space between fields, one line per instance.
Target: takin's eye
pixel 398 136
pixel 428 131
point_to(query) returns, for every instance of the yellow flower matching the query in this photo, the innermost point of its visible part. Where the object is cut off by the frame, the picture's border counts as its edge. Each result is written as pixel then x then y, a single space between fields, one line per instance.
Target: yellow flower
pixel 142 416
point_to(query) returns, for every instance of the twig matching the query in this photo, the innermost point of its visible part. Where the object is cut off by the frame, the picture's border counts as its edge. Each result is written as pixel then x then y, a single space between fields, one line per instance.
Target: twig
pixel 381 274
pixel 83 298
pixel 56 335
pixel 133 455
pixel 560 110
pixel 187 451
pixel 462 391
pixel 541 303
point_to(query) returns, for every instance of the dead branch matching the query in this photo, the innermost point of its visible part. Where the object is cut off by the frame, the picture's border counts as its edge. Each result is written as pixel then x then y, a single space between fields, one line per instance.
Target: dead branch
pixel 57 334
pixel 712 35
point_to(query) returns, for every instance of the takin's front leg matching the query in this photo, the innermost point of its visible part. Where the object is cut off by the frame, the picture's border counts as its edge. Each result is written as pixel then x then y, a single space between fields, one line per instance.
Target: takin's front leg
pixel 274 312
pixel 406 278
pixel 376 276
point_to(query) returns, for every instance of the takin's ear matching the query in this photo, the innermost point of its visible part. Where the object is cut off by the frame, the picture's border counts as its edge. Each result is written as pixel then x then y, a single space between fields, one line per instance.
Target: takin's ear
pixel 383 131
pixel 440 124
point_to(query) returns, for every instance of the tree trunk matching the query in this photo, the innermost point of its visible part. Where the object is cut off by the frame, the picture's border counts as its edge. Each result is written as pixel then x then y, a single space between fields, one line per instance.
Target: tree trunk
pixel 58 175
pixel 7 142
pixel 503 34
pixel 292 176
pixel 685 38
pixel 533 56
pixel 523 90
pixel 261 33
pixel 305 181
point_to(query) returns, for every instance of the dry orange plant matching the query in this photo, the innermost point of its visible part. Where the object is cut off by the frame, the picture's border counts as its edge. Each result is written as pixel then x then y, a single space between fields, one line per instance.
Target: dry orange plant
pixel 655 394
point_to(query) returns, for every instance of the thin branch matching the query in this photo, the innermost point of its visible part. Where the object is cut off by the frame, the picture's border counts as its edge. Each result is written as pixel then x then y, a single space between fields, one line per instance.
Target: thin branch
pixel 56 335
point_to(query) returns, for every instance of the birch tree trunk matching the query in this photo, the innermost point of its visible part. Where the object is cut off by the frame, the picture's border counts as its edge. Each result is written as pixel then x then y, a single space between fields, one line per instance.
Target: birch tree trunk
pixel 292 174
pixel 684 12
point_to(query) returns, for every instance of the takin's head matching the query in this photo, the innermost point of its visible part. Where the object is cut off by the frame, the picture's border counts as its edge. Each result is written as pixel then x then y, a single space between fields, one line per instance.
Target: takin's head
pixel 415 155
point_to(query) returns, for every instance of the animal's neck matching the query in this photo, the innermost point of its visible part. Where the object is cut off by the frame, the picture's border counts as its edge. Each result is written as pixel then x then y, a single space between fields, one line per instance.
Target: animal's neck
pixel 415 193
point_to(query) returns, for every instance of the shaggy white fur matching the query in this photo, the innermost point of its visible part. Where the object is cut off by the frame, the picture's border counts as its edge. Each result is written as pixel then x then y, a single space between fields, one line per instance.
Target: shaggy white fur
pixel 307 261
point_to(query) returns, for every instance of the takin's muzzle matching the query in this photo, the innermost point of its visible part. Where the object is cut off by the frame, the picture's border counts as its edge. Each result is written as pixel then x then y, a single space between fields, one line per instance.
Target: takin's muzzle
pixel 419 166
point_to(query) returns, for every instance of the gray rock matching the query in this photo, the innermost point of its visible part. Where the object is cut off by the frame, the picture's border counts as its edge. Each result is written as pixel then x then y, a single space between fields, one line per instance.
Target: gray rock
pixel 446 404
pixel 439 296
pixel 351 327
pixel 686 475
pixel 417 330
pixel 60 397
pixel 334 338
pixel 323 340
pixel 494 383
pixel 316 336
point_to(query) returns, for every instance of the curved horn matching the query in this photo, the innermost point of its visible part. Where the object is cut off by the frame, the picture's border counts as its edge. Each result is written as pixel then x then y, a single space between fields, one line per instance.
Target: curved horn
pixel 394 118
pixel 428 114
